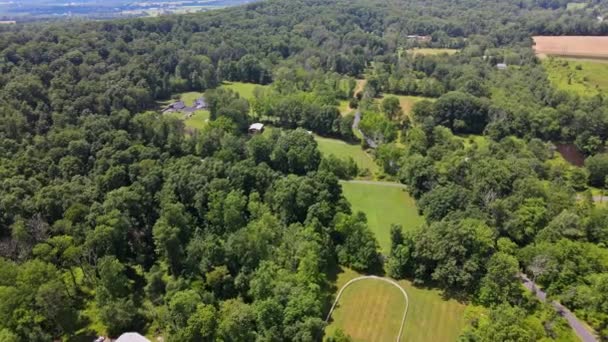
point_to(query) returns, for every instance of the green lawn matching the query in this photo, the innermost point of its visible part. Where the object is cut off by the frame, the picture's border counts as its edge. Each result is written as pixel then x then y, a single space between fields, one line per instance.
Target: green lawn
pixel 344 107
pixel 383 205
pixel 576 5
pixel 428 51
pixel 198 120
pixel 584 77
pixel 407 102
pixel 429 317
pixel 369 310
pixel 245 90
pixel 342 149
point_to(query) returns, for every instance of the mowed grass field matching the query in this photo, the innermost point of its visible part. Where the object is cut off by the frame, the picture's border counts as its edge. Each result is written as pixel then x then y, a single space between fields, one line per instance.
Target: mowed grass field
pixel 429 317
pixel 344 150
pixel 586 78
pixel 430 51
pixel 383 205
pixel 369 310
pixel 407 102
pixel 245 90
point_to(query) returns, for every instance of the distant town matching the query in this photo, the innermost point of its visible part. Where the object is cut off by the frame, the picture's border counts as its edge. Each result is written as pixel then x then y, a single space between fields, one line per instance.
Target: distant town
pixel 13 11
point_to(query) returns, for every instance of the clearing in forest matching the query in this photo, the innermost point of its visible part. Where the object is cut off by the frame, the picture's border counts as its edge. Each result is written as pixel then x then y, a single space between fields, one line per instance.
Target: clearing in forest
pixel 371 310
pixel 383 204
pixel 407 102
pixel 192 120
pixel 431 51
pixel 344 150
pixel 245 90
pixel 586 78
pixel 572 46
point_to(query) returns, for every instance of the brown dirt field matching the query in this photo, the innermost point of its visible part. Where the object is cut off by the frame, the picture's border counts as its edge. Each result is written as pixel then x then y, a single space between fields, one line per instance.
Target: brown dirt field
pixel 573 46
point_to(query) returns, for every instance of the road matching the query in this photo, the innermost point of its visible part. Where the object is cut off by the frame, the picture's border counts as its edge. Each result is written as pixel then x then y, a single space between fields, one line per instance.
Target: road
pixel 578 326
pixel 369 141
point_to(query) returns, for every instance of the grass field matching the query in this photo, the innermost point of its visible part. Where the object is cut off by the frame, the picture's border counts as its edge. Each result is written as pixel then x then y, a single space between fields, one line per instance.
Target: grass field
pixel 576 5
pixel 344 107
pixel 586 78
pixel 341 149
pixel 407 102
pixel 383 205
pixel 245 90
pixel 428 51
pixel 360 85
pixel 429 317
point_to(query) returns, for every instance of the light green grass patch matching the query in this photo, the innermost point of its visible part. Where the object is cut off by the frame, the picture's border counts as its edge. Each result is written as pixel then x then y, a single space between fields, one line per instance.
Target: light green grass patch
pixel 480 141
pixel 407 102
pixel 245 90
pixel 369 310
pixel 576 5
pixel 344 108
pixel 383 205
pixel 344 150
pixel 198 120
pixel 429 317
pixel 583 77
pixel 431 52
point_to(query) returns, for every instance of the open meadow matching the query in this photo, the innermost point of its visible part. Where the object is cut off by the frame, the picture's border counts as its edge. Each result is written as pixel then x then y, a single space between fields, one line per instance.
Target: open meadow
pixel 342 149
pixel 371 310
pixel 407 102
pixel 245 90
pixel 383 204
pixel 431 51
pixel 584 77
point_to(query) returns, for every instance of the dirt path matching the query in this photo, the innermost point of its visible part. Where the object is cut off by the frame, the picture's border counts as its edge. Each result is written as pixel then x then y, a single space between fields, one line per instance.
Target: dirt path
pixel 388 280
pixel 578 326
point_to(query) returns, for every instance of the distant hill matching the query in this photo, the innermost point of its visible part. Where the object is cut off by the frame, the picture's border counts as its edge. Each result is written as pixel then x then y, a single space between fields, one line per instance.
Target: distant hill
pixel 29 10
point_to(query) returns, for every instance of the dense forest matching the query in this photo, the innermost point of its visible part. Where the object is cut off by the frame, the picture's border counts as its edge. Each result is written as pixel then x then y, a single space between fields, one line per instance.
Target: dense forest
pixel 114 217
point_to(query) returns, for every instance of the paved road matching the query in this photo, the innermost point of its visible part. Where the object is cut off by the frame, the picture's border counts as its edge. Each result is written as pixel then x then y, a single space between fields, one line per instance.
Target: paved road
pixel 388 280
pixel 370 141
pixel 393 184
pixel 578 327
pixel 596 198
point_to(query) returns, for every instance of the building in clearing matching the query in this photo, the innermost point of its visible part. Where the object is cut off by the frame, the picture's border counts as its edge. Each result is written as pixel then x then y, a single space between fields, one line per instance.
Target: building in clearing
pixel 256 128
pixel 200 103
pixel 501 66
pixel 131 337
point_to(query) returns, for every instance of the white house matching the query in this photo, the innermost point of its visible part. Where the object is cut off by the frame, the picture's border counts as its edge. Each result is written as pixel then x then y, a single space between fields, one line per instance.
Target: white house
pixel 256 128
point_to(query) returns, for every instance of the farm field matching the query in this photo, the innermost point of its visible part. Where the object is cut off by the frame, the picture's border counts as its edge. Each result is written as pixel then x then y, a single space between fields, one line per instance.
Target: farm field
pixel 430 51
pixel 586 78
pixel 407 102
pixel 342 149
pixel 383 205
pixel 572 46
pixel 429 317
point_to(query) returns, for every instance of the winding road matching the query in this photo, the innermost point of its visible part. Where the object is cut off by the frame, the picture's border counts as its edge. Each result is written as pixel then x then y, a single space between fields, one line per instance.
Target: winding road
pixel 388 280
pixel 578 326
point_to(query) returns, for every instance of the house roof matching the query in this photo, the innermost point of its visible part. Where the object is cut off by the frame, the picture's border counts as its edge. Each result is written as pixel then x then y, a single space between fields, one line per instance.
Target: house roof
pixel 132 337
pixel 256 126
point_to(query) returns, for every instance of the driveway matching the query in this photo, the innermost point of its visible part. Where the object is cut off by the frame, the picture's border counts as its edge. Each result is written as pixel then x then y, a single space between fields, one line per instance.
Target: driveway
pixel 578 326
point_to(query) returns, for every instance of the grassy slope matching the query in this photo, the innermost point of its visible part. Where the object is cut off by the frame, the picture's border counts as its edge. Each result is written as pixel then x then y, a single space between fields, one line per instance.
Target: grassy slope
pixel 343 150
pixel 383 205
pixel 429 318
pixel 593 77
